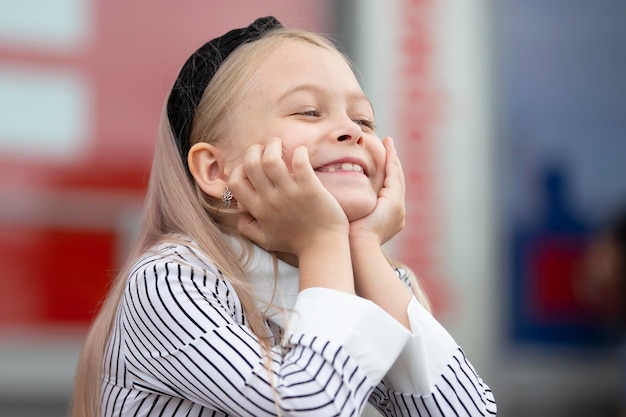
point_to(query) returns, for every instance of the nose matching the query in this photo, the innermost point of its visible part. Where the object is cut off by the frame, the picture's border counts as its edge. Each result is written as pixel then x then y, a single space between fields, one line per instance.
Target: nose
pixel 348 131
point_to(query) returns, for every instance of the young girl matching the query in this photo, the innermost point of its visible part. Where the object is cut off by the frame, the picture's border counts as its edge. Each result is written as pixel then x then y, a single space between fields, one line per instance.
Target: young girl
pixel 257 285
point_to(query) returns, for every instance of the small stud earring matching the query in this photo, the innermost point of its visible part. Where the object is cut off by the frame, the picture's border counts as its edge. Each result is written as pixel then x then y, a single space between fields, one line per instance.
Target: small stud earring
pixel 227 196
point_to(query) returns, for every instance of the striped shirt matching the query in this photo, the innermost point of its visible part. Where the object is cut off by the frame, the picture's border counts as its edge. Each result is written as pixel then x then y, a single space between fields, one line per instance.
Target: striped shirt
pixel 180 346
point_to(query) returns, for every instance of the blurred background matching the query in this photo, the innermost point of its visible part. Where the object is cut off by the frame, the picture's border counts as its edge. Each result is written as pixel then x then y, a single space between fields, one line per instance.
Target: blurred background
pixel 510 117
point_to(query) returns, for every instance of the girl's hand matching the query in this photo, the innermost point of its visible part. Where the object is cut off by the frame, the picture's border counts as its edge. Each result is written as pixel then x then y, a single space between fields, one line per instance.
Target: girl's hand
pixel 281 210
pixel 374 278
pixel 388 217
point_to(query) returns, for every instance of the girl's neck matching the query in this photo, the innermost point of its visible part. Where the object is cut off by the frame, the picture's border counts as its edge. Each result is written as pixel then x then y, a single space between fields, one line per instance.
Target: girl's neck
pixel 289 258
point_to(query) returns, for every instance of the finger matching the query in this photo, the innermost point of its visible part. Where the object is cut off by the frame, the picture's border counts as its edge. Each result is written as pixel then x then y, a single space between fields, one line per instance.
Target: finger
pixel 393 160
pixel 393 166
pixel 250 228
pixel 254 170
pixel 274 164
pixel 242 189
pixel 395 169
pixel 302 169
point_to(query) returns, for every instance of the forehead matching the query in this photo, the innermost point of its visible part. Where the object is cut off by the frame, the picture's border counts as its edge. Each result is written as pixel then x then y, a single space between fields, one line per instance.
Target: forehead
pixel 296 62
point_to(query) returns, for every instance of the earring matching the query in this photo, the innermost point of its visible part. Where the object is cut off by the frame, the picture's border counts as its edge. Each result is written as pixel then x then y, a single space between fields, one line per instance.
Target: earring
pixel 227 196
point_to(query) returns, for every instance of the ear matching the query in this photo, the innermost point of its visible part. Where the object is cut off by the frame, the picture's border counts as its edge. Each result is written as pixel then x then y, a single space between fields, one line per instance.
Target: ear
pixel 206 167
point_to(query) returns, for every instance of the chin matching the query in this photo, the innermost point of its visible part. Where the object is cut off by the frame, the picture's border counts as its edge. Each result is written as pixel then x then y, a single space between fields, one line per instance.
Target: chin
pixel 356 210
pixel 356 202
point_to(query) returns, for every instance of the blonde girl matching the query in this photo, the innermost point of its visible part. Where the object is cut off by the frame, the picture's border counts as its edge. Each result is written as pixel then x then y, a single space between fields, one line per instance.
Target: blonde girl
pixel 257 285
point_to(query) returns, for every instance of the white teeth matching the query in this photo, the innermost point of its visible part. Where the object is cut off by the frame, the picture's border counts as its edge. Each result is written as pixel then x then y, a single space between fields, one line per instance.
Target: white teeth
pixel 347 167
pixel 350 167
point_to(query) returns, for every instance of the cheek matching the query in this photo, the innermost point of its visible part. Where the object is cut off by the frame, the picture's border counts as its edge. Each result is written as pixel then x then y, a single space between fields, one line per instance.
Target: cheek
pixel 292 140
pixel 233 156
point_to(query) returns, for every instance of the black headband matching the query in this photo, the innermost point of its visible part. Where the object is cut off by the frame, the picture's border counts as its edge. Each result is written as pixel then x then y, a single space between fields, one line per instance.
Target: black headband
pixel 198 71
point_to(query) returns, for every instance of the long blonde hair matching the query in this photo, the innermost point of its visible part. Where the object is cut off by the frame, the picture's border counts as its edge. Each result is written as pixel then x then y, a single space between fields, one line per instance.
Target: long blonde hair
pixel 175 205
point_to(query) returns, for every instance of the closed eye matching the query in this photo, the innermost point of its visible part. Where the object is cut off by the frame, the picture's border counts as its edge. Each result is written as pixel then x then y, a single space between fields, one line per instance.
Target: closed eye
pixel 311 113
pixel 366 123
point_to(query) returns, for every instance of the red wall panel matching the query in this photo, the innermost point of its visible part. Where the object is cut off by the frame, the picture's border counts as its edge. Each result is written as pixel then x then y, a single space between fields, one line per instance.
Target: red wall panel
pixel 56 269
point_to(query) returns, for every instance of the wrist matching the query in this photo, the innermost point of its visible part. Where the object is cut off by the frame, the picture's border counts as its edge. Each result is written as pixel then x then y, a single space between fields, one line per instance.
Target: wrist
pixel 325 261
pixel 320 238
pixel 367 239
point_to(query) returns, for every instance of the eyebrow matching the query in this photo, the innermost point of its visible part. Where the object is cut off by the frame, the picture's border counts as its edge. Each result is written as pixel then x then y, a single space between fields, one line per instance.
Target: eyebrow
pixel 309 87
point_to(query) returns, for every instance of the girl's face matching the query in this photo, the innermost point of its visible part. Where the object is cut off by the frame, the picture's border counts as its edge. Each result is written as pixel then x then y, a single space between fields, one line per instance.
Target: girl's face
pixel 308 96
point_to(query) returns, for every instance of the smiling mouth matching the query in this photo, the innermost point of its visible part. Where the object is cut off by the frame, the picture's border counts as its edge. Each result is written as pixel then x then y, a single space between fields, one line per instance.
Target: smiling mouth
pixel 344 167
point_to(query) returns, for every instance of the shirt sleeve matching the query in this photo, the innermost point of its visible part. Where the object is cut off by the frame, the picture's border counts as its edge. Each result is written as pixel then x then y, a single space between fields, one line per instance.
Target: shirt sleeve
pixel 375 338
pixel 432 376
pixel 425 356
pixel 185 336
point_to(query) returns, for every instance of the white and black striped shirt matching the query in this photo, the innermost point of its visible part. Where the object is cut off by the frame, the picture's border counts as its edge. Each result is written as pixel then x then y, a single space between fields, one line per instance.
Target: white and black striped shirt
pixel 180 347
